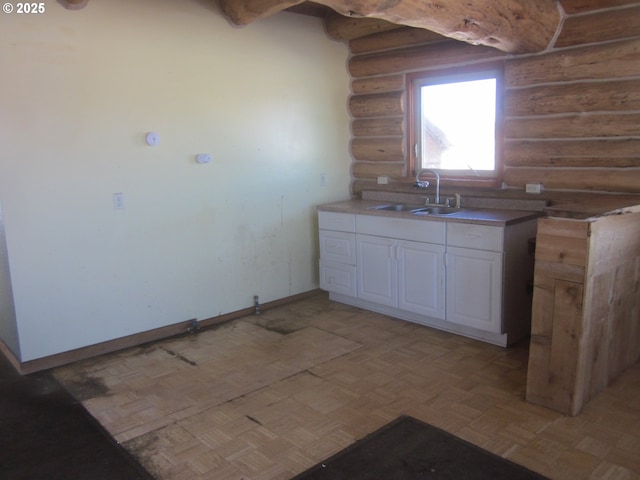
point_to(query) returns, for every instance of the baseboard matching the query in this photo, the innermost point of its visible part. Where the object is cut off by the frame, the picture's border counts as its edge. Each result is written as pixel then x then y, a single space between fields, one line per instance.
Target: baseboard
pixel 141 338
pixel 8 353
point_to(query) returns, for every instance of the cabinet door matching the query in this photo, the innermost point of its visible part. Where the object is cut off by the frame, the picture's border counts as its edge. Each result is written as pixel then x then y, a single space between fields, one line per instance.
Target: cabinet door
pixel 421 278
pixel 474 288
pixel 338 278
pixel 376 269
pixel 338 247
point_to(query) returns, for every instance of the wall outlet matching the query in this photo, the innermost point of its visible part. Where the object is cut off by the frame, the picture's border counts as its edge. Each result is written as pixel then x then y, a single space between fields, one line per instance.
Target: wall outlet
pixel 118 200
pixel 383 180
pixel 533 188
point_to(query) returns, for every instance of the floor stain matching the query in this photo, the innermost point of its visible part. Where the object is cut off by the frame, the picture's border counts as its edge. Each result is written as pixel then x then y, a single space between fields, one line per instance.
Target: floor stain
pixel 180 357
pixel 283 326
pixel 85 387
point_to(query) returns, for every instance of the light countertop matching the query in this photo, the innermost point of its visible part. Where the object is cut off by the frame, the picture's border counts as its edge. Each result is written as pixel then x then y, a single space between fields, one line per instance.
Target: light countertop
pixel 479 216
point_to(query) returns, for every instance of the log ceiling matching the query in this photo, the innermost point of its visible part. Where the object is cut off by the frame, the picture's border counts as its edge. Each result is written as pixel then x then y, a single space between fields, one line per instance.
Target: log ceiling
pixel 513 26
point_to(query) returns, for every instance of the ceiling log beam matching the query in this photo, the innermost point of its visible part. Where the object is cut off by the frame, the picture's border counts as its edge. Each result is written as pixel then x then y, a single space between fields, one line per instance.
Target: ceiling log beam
pixel 243 12
pixel 513 26
pixel 340 27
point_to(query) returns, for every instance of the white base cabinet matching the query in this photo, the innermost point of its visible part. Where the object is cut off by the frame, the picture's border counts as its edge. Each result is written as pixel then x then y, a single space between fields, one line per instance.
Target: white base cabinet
pixel 421 278
pixel 474 288
pixel 400 273
pixel 377 275
pixel 337 253
pixel 464 278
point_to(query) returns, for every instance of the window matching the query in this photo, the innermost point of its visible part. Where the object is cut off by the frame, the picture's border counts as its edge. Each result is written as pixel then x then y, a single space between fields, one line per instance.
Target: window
pixel 454 123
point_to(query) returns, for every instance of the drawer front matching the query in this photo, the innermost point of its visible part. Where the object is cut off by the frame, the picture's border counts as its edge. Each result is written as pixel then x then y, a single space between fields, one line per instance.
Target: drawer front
pixel 338 247
pixel 341 222
pixel 479 237
pixel 402 229
pixel 338 278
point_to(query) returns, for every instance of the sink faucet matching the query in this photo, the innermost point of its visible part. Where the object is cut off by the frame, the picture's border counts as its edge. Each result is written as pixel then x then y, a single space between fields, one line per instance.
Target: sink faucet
pixel 421 184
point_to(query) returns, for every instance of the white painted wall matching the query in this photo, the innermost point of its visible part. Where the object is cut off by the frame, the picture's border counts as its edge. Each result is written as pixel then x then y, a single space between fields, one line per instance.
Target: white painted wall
pixel 8 326
pixel 78 92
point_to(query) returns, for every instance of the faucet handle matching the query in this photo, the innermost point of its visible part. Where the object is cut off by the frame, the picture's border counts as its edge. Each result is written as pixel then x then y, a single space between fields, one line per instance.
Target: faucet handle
pixel 421 184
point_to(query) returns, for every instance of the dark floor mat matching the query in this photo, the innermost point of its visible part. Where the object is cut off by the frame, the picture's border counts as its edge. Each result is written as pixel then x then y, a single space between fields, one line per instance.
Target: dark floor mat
pixel 408 449
pixel 45 433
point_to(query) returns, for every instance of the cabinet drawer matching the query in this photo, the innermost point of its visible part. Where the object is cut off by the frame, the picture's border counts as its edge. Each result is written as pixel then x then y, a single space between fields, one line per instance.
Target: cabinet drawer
pixel 341 222
pixel 338 278
pixel 402 229
pixel 338 247
pixel 479 237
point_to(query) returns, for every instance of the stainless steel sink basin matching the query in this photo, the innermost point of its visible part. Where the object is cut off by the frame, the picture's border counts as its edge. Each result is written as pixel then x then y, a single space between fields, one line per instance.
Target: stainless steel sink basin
pixel 400 207
pixel 418 209
pixel 438 211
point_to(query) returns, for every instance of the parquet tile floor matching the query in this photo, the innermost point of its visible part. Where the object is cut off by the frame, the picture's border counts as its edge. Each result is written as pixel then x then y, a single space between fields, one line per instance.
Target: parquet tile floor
pixel 268 396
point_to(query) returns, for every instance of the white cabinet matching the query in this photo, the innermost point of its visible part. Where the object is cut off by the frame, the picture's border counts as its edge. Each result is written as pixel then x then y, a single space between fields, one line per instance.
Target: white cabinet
pixel 401 263
pixel 474 288
pixel 466 278
pixel 421 276
pixel 474 275
pixel 489 270
pixel 377 269
pixel 337 252
pixel 402 274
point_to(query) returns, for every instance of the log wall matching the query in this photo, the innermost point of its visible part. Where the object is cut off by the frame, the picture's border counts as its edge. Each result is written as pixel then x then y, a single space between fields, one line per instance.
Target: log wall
pixel 572 113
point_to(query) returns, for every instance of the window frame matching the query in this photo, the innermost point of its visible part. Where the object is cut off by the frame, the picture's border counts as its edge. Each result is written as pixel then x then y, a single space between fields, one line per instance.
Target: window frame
pixel 448 75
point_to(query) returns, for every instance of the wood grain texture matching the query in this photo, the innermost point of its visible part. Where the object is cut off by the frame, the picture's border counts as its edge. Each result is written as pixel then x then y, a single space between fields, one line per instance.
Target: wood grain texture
pixel 611 153
pixel 579 6
pixel 374 127
pixel 400 37
pixel 574 125
pixel 605 180
pixel 609 60
pixel 371 171
pixel 249 422
pixel 600 26
pixel 422 58
pixel 619 96
pixel 383 149
pixel 377 104
pixel 387 83
pixel 510 26
pixel 571 118
pixel 584 328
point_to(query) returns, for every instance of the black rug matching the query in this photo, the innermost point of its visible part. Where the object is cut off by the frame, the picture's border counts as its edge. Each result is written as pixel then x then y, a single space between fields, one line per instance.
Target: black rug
pixel 46 434
pixel 408 449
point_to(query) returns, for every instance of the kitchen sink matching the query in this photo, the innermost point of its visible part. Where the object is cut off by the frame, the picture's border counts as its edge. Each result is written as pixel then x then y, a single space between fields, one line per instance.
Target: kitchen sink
pixel 438 211
pixel 400 207
pixel 418 209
